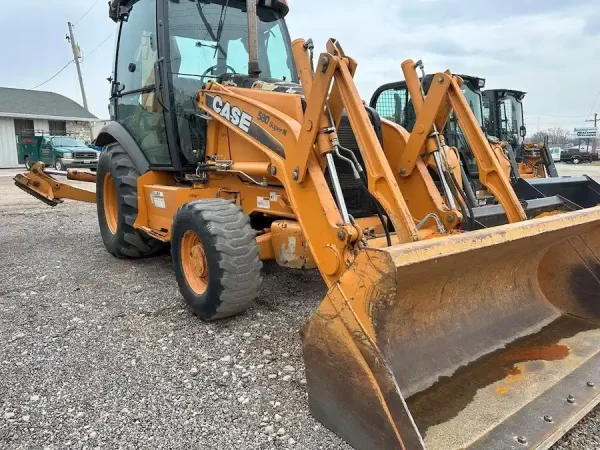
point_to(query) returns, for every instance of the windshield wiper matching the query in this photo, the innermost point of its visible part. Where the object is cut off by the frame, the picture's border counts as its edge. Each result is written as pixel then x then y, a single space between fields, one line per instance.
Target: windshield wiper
pixel 221 25
pixel 209 29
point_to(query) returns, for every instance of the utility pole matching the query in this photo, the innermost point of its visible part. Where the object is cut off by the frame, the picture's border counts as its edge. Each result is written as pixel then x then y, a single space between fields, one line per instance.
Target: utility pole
pixel 76 56
pixel 595 142
pixel 595 120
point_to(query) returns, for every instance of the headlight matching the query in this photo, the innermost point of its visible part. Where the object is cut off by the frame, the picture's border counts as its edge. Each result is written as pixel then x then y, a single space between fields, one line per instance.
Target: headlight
pixel 67 155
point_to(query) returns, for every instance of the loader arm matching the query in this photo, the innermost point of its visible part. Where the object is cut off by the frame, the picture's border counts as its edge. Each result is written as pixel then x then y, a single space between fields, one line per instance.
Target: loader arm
pixel 446 89
pixel 490 170
pixel 419 191
pixel 40 184
pixel 294 157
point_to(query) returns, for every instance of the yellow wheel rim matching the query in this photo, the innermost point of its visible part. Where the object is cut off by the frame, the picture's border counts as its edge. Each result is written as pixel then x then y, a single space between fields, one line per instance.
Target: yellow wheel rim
pixel 194 263
pixel 110 203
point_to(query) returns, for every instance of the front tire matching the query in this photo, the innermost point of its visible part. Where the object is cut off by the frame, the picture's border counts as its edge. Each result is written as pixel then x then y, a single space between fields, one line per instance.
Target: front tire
pixel 117 205
pixel 215 258
pixel 58 165
pixel 28 163
pixel 576 160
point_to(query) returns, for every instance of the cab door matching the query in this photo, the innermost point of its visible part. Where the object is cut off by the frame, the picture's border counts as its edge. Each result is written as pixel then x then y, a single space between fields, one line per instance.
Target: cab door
pixel 46 155
pixel 136 99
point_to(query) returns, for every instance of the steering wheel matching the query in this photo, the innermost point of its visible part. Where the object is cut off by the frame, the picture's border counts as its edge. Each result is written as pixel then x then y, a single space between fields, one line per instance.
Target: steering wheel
pixel 211 68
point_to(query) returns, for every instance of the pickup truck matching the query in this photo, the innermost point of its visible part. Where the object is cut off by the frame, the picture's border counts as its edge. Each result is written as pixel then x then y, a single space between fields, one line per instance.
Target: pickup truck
pixel 62 152
pixel 577 156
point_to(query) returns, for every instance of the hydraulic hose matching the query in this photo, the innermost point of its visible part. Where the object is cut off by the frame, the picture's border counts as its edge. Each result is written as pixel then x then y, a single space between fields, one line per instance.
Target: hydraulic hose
pixel 468 188
pixel 357 169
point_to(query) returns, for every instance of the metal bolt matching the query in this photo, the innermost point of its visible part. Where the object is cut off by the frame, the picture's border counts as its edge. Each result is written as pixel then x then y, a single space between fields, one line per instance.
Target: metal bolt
pixel 548 419
pixel 591 384
pixel 441 80
pixel 450 218
pixel 402 171
pixel 341 235
pixel 522 440
pixel 571 399
pixel 295 174
pixel 324 63
pixel 273 170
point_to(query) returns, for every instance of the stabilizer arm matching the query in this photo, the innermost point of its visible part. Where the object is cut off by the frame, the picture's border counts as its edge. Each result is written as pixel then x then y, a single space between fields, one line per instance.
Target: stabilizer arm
pixel 40 184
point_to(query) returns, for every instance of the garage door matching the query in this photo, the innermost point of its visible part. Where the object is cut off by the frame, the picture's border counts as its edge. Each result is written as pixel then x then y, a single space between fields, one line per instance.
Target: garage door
pixel 8 144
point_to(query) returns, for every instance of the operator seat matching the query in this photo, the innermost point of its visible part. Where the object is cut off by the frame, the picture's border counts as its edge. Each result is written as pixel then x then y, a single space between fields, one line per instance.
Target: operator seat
pixel 359 203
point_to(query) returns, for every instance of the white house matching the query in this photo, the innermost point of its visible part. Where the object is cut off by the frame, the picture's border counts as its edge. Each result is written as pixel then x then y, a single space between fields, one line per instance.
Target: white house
pixel 38 112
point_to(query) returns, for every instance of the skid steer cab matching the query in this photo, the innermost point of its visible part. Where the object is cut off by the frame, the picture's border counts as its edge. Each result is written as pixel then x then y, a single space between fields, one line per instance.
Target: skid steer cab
pixel 235 146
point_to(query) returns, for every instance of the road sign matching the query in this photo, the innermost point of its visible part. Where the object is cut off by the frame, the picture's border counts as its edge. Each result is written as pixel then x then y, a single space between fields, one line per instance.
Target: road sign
pixel 586 132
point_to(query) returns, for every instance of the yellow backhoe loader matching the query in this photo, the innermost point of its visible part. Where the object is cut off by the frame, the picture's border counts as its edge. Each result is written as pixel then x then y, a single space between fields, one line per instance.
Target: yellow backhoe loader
pixel 227 144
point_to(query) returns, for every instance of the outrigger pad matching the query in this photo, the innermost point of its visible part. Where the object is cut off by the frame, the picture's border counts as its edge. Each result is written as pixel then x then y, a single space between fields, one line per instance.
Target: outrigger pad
pixel 481 340
pixel 21 183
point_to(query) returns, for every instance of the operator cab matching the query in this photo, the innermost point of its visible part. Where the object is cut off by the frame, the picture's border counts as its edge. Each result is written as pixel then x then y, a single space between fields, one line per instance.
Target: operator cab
pixel 169 49
pixel 503 115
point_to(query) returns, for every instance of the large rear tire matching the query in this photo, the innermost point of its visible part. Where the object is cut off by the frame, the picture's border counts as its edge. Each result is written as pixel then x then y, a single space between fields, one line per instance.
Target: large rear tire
pixel 215 258
pixel 117 205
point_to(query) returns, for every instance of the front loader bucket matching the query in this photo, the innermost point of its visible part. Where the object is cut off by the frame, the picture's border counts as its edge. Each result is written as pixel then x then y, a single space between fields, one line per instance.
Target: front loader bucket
pixel 582 191
pixel 483 340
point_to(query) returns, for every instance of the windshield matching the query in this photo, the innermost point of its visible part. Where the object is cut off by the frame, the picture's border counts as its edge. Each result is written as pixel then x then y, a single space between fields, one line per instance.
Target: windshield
pixel 67 142
pixel 211 39
pixel 474 99
pixel 511 119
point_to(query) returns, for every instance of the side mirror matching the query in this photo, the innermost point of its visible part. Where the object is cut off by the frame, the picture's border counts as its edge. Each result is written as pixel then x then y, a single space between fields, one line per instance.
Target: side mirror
pixel 523 131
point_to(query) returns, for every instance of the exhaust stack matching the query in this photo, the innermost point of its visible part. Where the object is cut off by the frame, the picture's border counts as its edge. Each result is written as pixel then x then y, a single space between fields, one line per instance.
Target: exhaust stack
pixel 253 64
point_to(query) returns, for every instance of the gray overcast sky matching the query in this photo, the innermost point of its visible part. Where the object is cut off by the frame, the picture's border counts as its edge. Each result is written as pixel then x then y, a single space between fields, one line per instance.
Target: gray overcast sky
pixel 549 48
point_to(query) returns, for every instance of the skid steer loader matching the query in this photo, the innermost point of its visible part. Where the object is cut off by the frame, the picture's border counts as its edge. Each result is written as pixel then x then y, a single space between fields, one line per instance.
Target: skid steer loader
pixel 225 144
pixel 530 166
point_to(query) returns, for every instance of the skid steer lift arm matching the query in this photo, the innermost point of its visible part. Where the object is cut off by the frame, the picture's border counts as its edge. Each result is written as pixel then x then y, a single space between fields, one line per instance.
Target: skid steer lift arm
pixel 40 184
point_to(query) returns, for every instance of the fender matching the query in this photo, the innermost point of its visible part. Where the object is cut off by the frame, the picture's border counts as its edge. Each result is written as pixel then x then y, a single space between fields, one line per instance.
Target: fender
pixel 115 132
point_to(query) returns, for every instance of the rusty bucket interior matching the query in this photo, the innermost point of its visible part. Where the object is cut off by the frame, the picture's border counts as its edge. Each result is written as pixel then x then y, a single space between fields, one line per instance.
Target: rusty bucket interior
pixel 483 340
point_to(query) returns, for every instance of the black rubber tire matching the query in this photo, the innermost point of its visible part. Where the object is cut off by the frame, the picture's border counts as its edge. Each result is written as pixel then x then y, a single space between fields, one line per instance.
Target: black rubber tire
pixel 576 161
pixel 58 165
pixel 28 163
pixel 234 267
pixel 127 242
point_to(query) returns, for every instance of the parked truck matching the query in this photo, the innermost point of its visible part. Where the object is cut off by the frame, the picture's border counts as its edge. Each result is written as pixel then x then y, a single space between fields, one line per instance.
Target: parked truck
pixel 576 155
pixel 62 152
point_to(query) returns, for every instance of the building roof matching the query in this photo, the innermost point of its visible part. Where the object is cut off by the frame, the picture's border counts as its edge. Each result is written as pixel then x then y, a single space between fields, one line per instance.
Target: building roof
pixel 27 104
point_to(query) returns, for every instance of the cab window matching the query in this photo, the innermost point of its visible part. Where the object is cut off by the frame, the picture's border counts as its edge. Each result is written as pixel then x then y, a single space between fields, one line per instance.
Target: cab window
pixel 395 105
pixel 137 107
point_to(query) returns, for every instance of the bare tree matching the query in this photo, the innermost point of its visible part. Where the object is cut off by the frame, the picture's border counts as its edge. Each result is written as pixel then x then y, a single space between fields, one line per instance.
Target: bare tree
pixel 539 136
pixel 556 136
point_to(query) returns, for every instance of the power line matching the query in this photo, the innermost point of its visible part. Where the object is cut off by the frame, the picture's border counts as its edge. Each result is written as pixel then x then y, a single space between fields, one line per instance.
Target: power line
pixel 99 45
pixel 53 77
pixel 594 105
pixel 559 117
pixel 87 12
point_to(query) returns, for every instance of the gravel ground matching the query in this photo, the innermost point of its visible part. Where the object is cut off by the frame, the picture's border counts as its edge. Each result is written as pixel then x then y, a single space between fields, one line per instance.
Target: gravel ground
pixel 101 353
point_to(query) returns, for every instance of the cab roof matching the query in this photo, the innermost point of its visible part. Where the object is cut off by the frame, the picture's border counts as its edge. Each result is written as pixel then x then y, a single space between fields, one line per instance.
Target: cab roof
pixel 280 5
